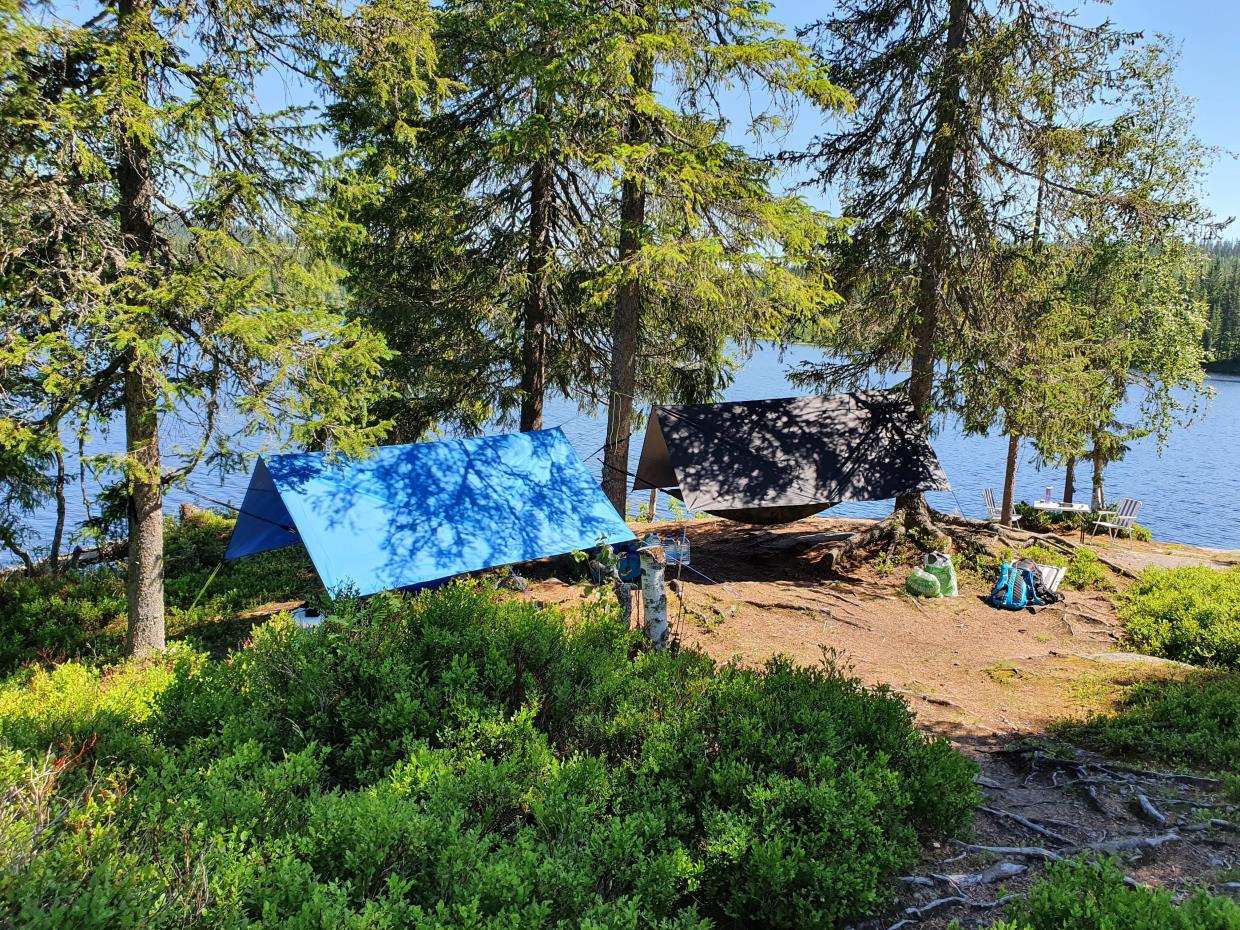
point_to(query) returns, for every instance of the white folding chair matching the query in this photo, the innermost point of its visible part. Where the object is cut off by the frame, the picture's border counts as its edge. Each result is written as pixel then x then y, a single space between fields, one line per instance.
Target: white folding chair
pixel 994 513
pixel 1119 520
pixel 1052 575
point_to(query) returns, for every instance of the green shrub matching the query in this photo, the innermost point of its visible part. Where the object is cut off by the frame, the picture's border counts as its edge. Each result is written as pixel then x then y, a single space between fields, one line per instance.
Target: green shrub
pixel 1042 521
pixel 77 709
pixel 458 760
pixel 1191 614
pixel 48 619
pixel 1032 519
pixel 1083 896
pixel 81 614
pixel 1194 722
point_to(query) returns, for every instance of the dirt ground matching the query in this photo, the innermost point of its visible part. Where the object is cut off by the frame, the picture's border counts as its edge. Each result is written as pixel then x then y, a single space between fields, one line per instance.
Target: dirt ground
pixel 989 680
pixel 967 670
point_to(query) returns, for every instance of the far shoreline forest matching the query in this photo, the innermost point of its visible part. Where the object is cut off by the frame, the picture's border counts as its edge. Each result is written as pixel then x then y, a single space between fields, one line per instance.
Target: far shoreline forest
pixel 1220 288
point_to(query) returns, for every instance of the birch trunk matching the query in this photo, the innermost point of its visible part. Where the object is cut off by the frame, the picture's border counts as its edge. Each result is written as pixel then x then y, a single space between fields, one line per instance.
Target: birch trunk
pixel 654 596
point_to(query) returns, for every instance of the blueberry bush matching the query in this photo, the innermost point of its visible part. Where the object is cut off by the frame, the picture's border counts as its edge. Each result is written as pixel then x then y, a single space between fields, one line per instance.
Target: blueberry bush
pixel 459 760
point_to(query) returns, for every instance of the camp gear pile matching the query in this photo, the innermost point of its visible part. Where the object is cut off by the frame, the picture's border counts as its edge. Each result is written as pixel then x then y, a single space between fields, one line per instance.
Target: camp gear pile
pixel 939 564
pixel 1020 585
pixel 921 583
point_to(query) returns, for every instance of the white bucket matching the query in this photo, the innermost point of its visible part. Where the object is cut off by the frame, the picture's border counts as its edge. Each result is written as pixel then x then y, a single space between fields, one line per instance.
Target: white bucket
pixel 307 617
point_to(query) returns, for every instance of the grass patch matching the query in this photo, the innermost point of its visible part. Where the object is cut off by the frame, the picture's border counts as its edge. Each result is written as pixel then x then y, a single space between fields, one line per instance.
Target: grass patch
pixel 1190 614
pixel 48 619
pixel 1079 895
pixel 1195 722
pixel 460 760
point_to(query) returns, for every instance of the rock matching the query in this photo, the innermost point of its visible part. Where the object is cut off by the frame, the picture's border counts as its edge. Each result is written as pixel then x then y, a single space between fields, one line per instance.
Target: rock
pixel 1138 658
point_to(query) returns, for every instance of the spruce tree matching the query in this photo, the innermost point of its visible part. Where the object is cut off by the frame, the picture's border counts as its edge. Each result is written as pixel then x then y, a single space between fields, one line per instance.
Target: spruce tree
pixel 971 143
pixel 472 222
pixel 149 270
pixel 708 252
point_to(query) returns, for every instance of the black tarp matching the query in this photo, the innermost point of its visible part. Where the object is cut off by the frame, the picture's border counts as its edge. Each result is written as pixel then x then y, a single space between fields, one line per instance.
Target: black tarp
pixel 775 461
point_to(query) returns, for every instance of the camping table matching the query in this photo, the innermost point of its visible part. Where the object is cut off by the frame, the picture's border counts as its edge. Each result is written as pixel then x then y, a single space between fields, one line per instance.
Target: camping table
pixel 1060 508
pixel 1057 507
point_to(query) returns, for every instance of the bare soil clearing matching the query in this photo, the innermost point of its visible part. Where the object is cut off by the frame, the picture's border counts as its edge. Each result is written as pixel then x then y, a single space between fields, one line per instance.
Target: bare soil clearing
pixel 967 670
pixel 989 680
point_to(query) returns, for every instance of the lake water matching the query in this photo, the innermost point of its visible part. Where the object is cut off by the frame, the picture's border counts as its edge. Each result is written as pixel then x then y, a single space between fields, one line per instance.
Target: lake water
pixel 1190 493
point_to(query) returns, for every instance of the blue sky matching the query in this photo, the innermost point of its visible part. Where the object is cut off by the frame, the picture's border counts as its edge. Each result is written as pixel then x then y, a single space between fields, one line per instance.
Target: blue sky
pixel 1208 35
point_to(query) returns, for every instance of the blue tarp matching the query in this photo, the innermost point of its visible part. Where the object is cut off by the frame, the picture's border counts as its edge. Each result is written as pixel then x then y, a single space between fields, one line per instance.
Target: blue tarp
pixel 424 512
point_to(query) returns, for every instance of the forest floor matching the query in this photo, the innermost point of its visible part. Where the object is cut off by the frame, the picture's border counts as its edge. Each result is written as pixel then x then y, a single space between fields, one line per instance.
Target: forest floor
pixel 993 682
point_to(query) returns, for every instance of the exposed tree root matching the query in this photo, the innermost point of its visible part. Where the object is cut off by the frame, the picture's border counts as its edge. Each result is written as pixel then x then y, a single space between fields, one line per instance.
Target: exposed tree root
pixel 1120 837
pixel 911 516
pixel 1014 536
pixel 996 873
pixel 1027 824
pixel 1026 852
pixel 1150 812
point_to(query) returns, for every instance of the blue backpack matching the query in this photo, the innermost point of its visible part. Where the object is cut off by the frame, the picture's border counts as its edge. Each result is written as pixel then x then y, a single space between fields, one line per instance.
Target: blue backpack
pixel 1016 589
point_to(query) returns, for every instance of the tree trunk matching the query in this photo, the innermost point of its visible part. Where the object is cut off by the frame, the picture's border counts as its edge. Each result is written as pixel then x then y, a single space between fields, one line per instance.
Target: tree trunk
pixel 534 336
pixel 1098 499
pixel 626 322
pixel 58 534
pixel 934 253
pixel 1009 479
pixel 1069 481
pixel 145 584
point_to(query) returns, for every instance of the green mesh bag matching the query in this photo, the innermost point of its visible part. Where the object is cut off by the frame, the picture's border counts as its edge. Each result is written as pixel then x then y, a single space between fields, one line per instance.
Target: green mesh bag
pixel 922 584
pixel 939 564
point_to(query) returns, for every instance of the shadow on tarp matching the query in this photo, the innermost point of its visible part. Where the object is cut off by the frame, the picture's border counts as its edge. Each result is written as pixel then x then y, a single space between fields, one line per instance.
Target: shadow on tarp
pixel 778 460
pixel 415 515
